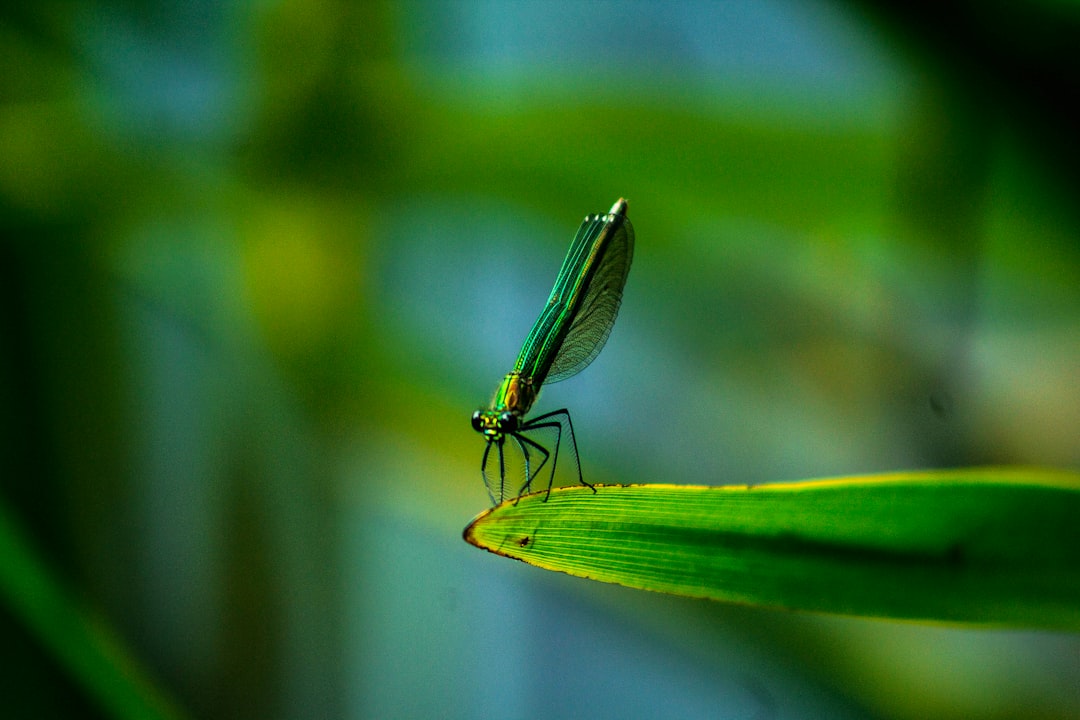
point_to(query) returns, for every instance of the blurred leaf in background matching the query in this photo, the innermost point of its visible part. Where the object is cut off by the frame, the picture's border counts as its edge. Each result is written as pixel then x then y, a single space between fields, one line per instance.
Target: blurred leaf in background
pixel 260 262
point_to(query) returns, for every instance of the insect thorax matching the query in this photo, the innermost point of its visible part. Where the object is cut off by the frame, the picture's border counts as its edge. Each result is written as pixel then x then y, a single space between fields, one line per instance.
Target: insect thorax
pixel 516 394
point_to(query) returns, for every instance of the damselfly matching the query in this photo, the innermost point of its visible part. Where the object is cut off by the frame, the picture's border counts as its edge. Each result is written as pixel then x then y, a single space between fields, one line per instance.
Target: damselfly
pixel 567 336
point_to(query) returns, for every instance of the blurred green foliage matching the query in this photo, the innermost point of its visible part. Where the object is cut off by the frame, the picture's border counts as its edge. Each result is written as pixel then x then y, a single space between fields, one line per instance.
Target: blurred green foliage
pixel 259 262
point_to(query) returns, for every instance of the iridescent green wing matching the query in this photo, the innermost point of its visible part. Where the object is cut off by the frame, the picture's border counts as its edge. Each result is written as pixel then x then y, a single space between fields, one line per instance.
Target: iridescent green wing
pixel 582 307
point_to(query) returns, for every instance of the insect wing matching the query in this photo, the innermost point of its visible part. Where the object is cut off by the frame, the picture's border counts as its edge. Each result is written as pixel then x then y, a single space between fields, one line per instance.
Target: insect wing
pixel 592 325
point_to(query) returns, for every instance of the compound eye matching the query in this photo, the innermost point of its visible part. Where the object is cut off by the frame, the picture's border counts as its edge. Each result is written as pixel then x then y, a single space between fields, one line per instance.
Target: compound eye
pixel 478 421
pixel 508 422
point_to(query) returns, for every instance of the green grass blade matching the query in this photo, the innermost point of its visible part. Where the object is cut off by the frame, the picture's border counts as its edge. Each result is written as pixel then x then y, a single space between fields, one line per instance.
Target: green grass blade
pixel 992 546
pixel 81 642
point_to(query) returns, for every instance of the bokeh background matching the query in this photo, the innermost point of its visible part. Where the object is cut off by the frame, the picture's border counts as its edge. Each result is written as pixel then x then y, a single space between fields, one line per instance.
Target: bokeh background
pixel 261 260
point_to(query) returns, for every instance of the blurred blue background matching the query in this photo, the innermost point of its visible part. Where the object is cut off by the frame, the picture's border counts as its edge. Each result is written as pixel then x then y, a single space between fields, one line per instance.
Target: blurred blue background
pixel 260 262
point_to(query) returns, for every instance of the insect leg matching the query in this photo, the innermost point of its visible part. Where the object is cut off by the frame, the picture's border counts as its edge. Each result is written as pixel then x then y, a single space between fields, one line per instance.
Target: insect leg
pixel 559 417
pixel 547 454
pixel 484 472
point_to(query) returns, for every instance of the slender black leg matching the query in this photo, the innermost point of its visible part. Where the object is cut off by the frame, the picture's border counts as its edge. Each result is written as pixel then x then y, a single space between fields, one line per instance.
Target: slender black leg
pixel 528 466
pixel 539 422
pixel 502 472
pixel 573 441
pixel 484 473
pixel 522 440
pixel 555 459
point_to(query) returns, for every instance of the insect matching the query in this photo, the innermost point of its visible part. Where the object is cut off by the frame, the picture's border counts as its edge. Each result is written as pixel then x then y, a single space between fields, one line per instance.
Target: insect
pixel 568 335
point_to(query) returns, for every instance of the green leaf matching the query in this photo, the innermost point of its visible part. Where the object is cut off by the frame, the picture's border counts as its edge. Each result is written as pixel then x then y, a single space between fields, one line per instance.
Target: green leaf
pixel 993 546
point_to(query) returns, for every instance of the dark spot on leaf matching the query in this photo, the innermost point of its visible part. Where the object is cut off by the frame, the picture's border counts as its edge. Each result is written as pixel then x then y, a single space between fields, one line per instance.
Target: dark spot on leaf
pixel 941 403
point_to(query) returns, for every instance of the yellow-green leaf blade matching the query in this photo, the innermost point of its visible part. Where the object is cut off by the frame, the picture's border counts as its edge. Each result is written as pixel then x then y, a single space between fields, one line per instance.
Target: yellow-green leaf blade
pixel 999 546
